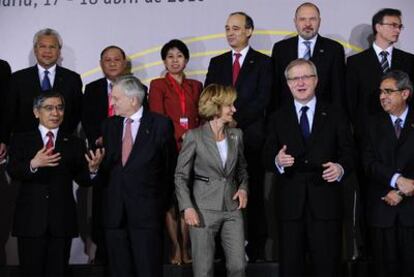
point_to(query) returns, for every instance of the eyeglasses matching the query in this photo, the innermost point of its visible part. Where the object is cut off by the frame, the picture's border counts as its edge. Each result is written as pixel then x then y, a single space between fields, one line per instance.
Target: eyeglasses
pixel 51 108
pixel 388 91
pixel 394 25
pixel 301 78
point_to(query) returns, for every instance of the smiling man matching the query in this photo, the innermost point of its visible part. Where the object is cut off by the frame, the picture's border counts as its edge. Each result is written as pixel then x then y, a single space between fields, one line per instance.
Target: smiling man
pixel 32 81
pixel 327 55
pixel 47 161
pixel 389 162
pixel 310 149
pixel 250 72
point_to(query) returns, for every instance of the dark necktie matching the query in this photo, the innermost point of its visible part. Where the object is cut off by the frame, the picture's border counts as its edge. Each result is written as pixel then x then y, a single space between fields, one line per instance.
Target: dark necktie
pixel 397 127
pixel 49 143
pixel 236 67
pixel 307 55
pixel 46 82
pixel 304 122
pixel 127 141
pixel 384 62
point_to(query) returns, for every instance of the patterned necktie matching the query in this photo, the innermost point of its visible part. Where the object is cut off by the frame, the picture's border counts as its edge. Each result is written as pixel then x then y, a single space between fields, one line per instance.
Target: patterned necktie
pixel 127 141
pixel 304 122
pixel 46 82
pixel 384 62
pixel 397 127
pixel 49 143
pixel 236 67
pixel 307 55
pixel 110 107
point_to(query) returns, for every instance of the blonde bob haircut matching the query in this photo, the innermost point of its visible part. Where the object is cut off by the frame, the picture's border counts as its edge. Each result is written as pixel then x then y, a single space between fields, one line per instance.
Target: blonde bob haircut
pixel 213 98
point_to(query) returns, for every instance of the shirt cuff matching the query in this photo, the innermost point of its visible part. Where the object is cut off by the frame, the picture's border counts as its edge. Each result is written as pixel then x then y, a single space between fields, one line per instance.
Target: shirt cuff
pixel 342 173
pixel 393 182
pixel 281 169
pixel 33 170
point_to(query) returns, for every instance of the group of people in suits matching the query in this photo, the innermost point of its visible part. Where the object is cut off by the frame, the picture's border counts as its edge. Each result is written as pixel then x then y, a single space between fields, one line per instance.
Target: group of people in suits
pixel 287 114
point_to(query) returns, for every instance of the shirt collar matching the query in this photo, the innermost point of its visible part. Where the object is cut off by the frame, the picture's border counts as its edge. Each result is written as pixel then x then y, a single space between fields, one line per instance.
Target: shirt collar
pixel 43 131
pixel 378 49
pixel 136 117
pixel 311 105
pixel 242 52
pixel 403 116
pixel 41 69
pixel 312 40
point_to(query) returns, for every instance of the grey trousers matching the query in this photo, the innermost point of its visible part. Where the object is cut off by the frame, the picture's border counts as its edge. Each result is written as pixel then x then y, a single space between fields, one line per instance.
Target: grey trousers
pixel 232 240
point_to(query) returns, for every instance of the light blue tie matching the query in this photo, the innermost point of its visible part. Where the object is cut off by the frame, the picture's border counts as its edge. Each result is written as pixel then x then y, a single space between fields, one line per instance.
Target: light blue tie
pixel 307 55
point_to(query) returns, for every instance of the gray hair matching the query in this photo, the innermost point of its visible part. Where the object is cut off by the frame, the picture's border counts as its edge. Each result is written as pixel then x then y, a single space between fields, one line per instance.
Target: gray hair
pixel 41 98
pixel 47 32
pixel 401 79
pixel 298 62
pixel 131 86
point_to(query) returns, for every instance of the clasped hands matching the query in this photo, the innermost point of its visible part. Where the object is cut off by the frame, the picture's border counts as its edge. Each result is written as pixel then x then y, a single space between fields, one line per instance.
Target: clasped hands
pixel 405 188
pixel 331 173
pixel 46 158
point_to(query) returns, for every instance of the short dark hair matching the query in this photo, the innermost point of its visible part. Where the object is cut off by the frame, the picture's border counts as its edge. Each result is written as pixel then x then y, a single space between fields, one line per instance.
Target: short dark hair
pixel 307 4
pixel 249 21
pixel 41 98
pixel 113 47
pixel 175 43
pixel 379 16
pixel 401 79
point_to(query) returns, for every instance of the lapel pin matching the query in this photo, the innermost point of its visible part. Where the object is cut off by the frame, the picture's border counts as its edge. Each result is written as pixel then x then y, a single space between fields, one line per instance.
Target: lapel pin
pixel 412 125
pixel 251 61
pixel 324 114
pixel 147 131
pixel 321 50
pixel 65 139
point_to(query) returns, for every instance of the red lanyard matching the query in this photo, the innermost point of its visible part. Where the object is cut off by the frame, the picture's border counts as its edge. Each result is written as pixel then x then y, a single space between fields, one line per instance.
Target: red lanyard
pixel 180 91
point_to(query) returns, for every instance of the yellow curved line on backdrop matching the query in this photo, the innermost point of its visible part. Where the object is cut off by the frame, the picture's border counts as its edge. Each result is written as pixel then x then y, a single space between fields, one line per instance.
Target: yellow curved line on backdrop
pixel 207 53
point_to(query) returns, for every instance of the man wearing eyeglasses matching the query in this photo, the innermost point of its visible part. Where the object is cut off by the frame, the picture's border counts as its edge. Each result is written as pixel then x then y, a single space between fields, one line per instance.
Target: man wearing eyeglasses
pixel 46 161
pixel 327 54
pixel 310 149
pixel 388 159
pixel 365 69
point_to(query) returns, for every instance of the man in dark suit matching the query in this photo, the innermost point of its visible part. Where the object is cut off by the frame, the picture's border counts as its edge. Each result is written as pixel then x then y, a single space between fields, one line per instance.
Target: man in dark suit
pixel 5 73
pixel 139 166
pixel 97 94
pixel 309 147
pixel 328 56
pixel 6 192
pixel 46 161
pixel 365 69
pixel 96 99
pixel 389 163
pixel 28 83
pixel 250 72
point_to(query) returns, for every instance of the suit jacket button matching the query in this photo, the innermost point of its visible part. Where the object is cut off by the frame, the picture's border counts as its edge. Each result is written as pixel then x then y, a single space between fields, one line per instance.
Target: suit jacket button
pixel 306 161
pixel 47 196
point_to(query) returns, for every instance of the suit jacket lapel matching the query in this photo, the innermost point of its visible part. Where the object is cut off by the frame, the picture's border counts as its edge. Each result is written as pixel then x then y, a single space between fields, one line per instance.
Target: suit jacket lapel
pixel 296 137
pixel 319 119
pixel 373 59
pixel 210 143
pixel 232 151
pixel 248 64
pixel 318 50
pixel 228 68
pixel 396 60
pixel 408 127
pixel 36 81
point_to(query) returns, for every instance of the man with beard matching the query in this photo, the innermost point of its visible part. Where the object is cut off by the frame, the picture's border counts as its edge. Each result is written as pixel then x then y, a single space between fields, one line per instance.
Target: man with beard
pixel 327 55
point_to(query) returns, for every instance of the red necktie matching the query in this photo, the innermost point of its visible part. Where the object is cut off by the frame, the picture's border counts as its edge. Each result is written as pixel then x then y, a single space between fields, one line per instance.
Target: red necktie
pixel 236 68
pixel 49 143
pixel 127 141
pixel 110 107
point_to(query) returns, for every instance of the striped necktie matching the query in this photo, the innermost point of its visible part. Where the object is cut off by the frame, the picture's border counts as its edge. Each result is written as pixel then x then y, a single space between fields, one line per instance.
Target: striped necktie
pixel 384 62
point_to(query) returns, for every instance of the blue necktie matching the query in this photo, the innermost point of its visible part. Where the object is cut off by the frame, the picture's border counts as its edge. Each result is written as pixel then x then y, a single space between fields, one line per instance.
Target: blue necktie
pixel 307 55
pixel 304 122
pixel 46 82
pixel 397 127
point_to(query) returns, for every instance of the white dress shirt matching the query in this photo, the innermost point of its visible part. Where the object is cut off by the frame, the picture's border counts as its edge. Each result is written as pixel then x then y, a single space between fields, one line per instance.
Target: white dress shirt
pixel 51 75
pixel 136 117
pixel 302 47
pixel 243 55
pixel 378 50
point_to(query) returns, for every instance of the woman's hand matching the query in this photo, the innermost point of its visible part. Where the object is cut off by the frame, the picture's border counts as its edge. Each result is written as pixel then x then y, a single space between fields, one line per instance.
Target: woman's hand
pixel 241 194
pixel 191 217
